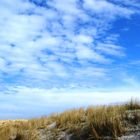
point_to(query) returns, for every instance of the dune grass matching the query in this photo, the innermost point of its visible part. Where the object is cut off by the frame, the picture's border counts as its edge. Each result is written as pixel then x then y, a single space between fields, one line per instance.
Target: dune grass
pixel 99 121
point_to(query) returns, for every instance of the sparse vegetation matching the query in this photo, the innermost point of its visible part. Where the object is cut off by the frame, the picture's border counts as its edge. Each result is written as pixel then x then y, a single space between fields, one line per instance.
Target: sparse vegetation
pixel 92 123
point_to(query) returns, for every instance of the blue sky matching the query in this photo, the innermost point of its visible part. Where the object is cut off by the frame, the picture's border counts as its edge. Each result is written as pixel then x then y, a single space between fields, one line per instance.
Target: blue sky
pixel 60 54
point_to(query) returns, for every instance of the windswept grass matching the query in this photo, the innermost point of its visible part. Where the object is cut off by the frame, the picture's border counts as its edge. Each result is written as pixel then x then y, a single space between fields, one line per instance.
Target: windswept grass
pixel 134 104
pixel 98 122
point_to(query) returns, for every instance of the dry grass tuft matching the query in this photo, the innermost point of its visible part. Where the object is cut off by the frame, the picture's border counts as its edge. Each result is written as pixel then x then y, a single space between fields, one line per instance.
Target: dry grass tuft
pixel 134 104
pixel 98 121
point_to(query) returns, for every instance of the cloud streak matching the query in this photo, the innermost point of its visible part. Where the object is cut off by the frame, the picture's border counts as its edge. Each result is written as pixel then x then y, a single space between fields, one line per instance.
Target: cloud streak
pixel 36 102
pixel 41 40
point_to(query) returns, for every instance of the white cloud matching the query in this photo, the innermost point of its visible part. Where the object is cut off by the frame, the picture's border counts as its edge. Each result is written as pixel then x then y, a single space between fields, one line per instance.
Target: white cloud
pixel 104 7
pixel 111 49
pixel 83 39
pixel 132 82
pixel 25 102
pixel 134 3
pixel 49 43
pixel 83 52
pixel 47 49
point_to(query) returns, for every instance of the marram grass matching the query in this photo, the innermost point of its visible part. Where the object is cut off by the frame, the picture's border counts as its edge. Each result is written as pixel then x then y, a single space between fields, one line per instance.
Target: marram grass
pixel 99 121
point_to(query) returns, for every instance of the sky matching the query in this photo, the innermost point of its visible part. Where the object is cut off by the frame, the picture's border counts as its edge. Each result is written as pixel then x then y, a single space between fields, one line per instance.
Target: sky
pixel 62 54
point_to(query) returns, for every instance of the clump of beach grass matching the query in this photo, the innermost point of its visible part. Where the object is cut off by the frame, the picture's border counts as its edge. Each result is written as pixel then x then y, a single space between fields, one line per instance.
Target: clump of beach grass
pixel 99 121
